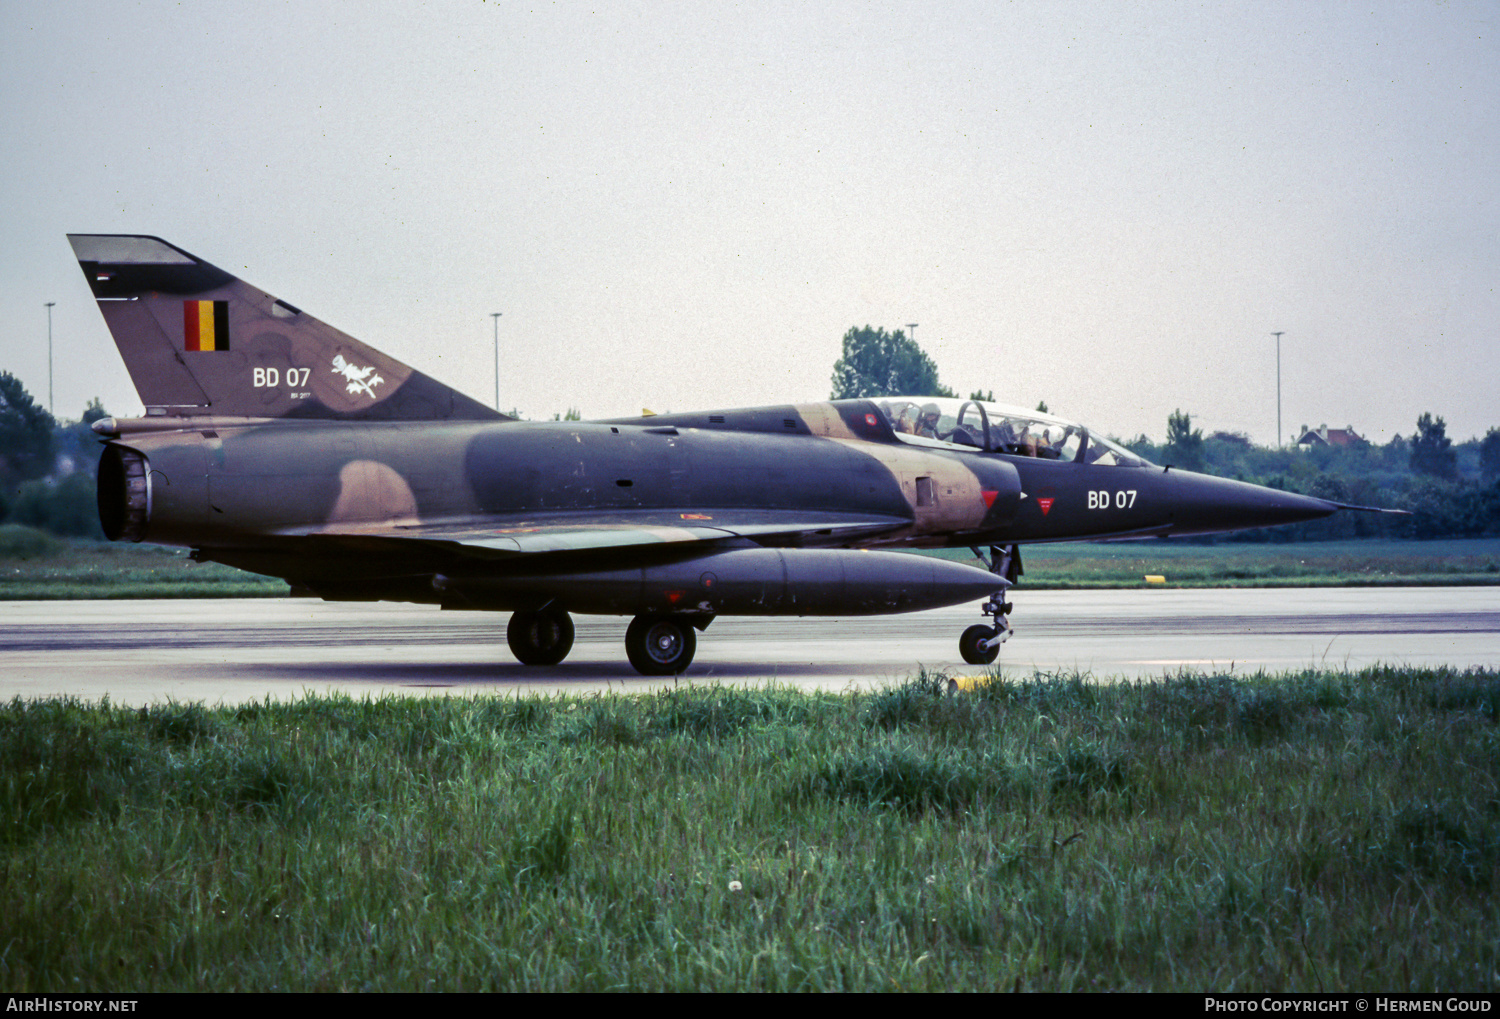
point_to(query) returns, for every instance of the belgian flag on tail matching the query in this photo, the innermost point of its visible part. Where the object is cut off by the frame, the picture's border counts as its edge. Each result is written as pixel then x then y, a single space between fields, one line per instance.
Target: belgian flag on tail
pixel 205 325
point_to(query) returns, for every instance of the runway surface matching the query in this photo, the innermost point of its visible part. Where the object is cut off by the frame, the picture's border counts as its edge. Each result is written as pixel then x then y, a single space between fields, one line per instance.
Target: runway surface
pixel 233 651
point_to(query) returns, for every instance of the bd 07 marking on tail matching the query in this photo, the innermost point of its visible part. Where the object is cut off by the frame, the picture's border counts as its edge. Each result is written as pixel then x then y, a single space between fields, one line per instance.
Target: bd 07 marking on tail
pixel 371 481
pixel 270 378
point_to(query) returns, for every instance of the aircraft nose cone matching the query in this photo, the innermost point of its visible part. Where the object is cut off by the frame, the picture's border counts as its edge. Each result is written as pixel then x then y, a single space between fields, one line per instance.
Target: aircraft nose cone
pixel 1207 505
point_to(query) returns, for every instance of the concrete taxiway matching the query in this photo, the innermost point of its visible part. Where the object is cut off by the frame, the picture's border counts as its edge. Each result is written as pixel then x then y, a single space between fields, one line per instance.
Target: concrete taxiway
pixel 233 651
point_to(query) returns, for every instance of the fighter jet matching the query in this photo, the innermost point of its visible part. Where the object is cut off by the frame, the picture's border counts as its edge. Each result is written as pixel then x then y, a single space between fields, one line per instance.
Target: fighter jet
pixel 274 443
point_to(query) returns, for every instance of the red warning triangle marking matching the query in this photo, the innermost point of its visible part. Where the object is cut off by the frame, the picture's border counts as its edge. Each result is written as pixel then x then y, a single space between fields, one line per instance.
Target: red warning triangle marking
pixel 989 498
pixel 1046 505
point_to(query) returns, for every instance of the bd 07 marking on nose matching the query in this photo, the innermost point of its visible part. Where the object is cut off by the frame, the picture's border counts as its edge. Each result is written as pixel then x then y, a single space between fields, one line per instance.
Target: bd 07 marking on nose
pixel 1122 499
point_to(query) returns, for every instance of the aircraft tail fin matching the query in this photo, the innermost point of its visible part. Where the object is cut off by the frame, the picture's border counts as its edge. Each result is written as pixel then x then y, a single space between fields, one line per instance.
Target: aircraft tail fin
pixel 198 341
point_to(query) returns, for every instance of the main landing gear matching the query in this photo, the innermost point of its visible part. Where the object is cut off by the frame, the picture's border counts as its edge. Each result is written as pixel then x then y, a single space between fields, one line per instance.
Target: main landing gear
pixel 660 645
pixel 540 637
pixel 657 645
pixel 980 644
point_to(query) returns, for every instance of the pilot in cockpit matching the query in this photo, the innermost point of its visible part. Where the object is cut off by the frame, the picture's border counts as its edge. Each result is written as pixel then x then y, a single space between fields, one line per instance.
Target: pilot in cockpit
pixel 1026 442
pixel 1003 436
pixel 1056 448
pixel 927 426
pixel 905 421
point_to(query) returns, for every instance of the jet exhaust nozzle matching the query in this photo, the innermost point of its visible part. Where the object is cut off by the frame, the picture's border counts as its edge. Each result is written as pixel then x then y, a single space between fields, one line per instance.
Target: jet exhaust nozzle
pixel 124 493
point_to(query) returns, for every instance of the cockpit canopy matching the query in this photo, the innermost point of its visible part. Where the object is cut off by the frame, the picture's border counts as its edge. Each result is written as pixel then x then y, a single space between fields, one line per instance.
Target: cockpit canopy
pixel 975 425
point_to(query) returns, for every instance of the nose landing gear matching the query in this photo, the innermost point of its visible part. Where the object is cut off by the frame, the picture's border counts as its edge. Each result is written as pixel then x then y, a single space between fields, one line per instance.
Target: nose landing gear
pixel 980 644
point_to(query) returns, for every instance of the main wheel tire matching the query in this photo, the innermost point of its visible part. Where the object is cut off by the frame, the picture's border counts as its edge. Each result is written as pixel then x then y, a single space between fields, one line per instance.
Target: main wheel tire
pixel 660 645
pixel 540 638
pixel 968 645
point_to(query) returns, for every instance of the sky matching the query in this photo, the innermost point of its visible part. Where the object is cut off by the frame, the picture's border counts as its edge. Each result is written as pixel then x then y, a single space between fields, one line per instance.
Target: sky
pixel 1107 206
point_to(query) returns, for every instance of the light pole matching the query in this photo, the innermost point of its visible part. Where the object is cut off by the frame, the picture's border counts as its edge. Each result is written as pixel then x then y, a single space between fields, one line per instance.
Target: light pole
pixel 49 359
pixel 1278 388
pixel 496 316
pixel 912 335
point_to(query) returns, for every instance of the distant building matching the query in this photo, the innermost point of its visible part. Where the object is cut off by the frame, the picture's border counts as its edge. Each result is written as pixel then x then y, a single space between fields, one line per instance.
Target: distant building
pixel 1325 436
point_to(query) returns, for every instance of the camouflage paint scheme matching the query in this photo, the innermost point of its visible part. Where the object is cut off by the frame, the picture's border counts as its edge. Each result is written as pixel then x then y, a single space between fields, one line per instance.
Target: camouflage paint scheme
pixel 293 450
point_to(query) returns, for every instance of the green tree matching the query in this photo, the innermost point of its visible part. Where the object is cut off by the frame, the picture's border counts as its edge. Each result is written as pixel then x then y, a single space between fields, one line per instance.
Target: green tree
pixel 26 449
pixel 1489 456
pixel 1228 454
pixel 1184 446
pixel 1141 446
pixel 1432 451
pixel 878 363
pixel 75 445
pixel 66 506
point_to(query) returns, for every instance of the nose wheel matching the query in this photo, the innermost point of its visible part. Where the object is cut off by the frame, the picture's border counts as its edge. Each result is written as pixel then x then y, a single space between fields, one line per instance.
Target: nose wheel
pixel 980 644
pixel 976 646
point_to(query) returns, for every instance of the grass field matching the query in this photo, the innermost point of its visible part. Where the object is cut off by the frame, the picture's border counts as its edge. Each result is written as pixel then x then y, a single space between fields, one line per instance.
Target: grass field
pixel 1229 564
pixel 1317 831
pixel 34 565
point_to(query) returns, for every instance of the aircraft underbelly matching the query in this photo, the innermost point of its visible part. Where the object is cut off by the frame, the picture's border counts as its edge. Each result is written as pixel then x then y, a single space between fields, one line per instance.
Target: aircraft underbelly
pixel 741 581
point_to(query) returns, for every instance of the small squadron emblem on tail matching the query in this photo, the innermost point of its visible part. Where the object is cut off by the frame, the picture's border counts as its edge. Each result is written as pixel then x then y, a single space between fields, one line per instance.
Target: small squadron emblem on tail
pixel 361 380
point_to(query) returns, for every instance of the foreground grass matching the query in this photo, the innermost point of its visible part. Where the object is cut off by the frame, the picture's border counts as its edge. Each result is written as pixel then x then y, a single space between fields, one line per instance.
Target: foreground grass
pixel 1312 831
